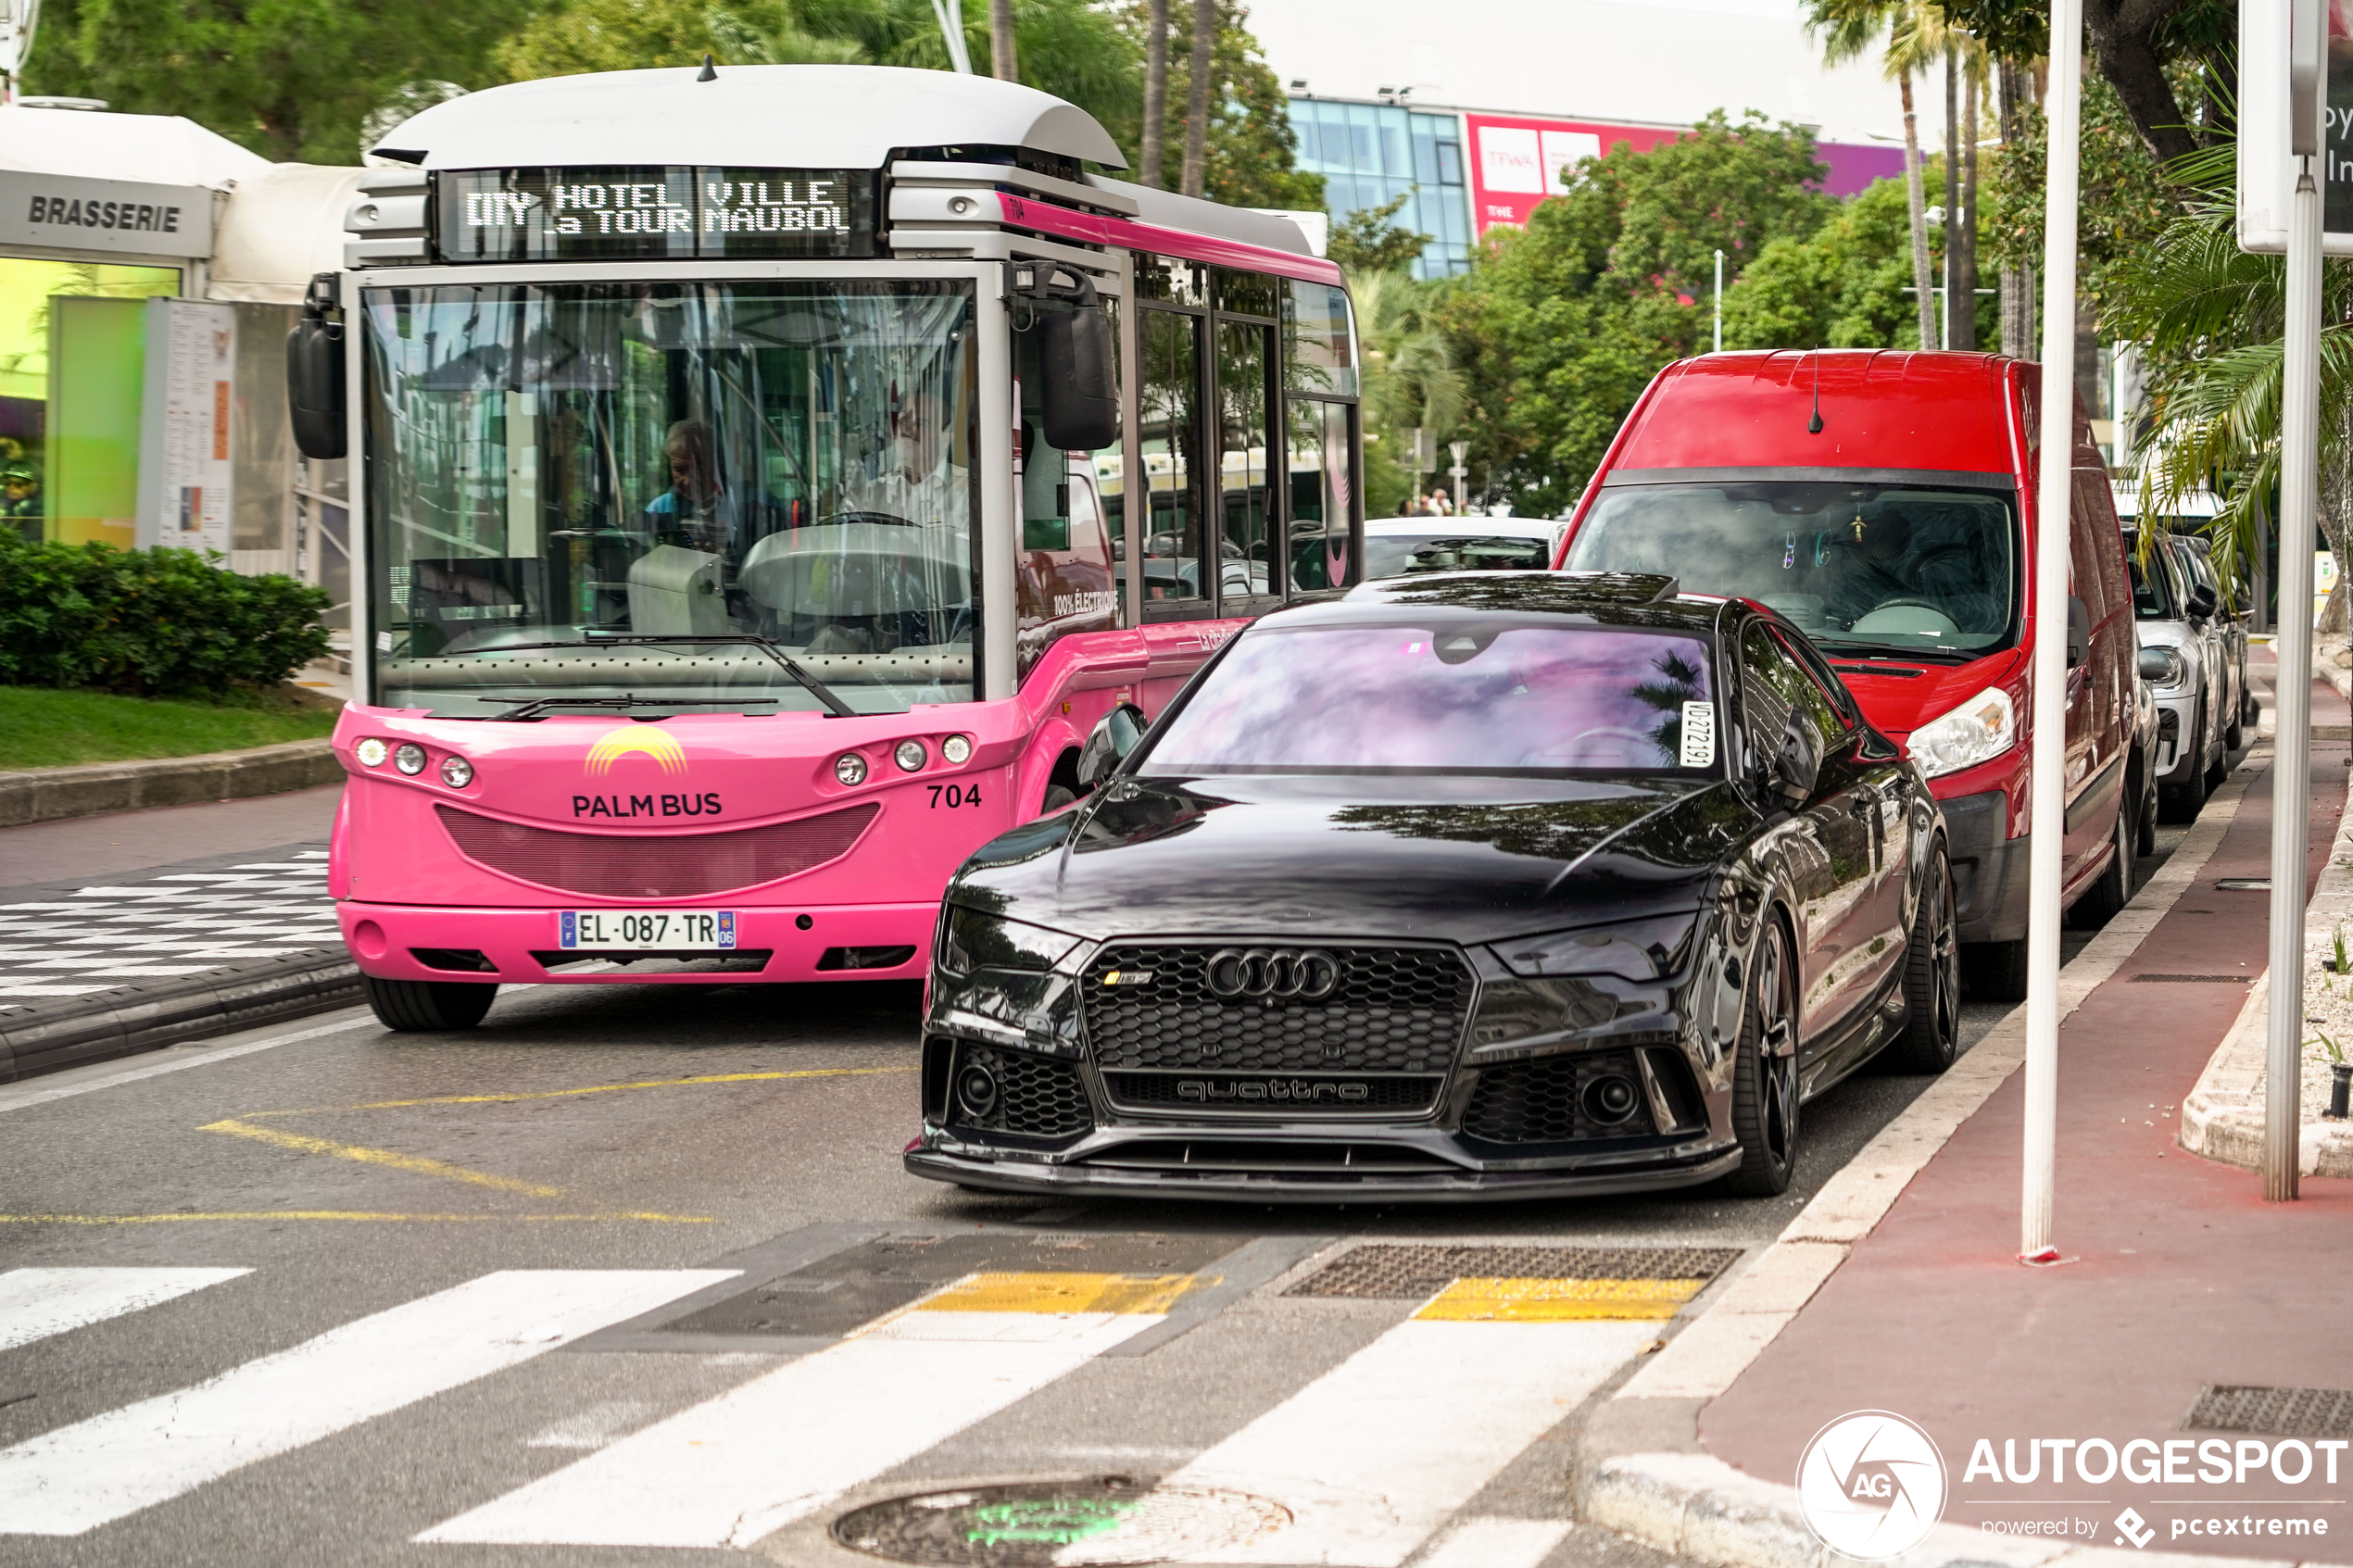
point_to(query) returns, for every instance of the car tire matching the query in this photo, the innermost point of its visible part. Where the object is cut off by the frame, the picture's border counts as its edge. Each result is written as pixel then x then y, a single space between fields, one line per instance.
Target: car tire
pixel 2145 839
pixel 2184 801
pixel 1057 796
pixel 2235 735
pixel 2221 768
pixel 428 1006
pixel 1995 972
pixel 2251 705
pixel 1932 1036
pixel 2113 888
pixel 1765 1079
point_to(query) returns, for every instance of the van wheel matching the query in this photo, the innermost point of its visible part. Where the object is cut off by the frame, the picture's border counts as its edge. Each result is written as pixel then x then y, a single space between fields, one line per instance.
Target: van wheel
pixel 428 1006
pixel 1765 1094
pixel 2114 889
pixel 1932 1036
pixel 1995 972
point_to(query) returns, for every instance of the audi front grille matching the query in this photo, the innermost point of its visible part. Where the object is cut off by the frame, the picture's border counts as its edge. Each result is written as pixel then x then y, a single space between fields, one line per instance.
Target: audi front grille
pixel 1156 1007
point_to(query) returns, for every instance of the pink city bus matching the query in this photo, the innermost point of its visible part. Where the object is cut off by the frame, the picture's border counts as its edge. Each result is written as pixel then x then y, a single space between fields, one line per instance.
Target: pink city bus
pixel 770 479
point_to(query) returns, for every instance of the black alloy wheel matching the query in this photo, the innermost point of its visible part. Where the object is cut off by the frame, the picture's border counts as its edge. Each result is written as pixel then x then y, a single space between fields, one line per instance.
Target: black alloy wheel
pixel 1932 1036
pixel 1764 1098
pixel 428 1006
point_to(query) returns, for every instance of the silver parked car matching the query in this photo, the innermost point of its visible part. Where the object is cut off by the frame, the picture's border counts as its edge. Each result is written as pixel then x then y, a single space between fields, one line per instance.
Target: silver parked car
pixel 2187 663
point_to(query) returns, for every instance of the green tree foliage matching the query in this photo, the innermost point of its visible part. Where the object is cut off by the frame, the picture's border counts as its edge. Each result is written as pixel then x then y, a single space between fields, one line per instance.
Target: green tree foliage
pixel 1410 380
pixel 1366 242
pixel 1842 286
pixel 291 79
pixel 2128 200
pixel 1252 146
pixel 1562 325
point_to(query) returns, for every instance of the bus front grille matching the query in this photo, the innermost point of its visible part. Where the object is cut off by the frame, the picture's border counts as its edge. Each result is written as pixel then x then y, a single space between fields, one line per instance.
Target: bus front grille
pixel 669 866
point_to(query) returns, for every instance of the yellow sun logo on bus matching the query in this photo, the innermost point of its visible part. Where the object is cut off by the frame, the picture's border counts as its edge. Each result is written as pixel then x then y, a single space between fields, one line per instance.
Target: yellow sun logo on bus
pixel 643 740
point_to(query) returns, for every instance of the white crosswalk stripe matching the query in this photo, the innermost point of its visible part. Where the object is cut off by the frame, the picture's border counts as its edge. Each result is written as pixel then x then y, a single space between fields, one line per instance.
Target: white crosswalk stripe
pixel 733 1469
pixel 36 1303
pixel 78 1477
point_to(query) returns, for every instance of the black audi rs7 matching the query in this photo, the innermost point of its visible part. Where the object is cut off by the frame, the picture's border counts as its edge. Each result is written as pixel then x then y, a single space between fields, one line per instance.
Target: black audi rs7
pixel 1469 885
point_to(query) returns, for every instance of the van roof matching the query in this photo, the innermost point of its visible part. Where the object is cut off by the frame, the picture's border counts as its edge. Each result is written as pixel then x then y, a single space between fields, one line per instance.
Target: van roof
pixel 1882 409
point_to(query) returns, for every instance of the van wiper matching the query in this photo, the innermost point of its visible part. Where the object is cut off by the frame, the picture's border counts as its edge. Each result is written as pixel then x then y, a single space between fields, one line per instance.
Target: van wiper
pixel 1936 652
pixel 816 688
pixel 538 705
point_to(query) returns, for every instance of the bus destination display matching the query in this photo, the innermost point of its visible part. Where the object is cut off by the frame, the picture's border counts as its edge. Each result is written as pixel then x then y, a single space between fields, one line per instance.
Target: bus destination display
pixel 653 214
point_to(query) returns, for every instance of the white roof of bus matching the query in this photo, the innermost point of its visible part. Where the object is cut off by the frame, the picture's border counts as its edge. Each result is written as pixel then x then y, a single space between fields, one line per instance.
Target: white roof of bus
pixel 757 117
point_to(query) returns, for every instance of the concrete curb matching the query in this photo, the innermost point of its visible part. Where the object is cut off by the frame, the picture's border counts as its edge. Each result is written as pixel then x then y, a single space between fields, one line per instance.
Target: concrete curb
pixel 122 1021
pixel 1641 1469
pixel 40 795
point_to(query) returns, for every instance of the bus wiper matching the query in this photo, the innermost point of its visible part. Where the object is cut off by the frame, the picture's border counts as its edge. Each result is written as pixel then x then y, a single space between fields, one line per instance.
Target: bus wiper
pixel 536 705
pixel 816 688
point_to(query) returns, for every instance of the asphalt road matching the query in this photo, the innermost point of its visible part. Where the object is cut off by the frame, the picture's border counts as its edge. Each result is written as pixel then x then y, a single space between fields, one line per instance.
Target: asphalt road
pixel 291 1414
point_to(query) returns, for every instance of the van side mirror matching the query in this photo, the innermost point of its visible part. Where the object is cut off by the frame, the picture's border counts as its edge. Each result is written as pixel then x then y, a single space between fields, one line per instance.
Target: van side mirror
pixel 314 373
pixel 1080 400
pixel 2079 632
pixel 1115 735
pixel 2204 602
pixel 1797 764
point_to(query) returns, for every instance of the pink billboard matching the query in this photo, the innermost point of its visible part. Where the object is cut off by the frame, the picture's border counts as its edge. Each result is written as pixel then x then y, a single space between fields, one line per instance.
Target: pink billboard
pixel 1517 161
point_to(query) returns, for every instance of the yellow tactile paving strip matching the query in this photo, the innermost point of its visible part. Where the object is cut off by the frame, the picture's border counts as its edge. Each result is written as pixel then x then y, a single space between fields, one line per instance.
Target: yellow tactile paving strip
pixel 1055 1293
pixel 1558 1300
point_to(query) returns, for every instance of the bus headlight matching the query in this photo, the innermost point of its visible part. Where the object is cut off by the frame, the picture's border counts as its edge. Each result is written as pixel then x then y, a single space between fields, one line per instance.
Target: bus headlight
pixel 372 752
pixel 910 755
pixel 956 750
pixel 851 769
pixel 1978 731
pixel 457 772
pixel 2163 667
pixel 410 757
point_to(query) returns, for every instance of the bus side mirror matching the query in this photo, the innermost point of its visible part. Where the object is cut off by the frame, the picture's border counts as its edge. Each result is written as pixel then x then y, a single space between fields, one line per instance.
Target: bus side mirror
pixel 1115 735
pixel 1080 400
pixel 314 373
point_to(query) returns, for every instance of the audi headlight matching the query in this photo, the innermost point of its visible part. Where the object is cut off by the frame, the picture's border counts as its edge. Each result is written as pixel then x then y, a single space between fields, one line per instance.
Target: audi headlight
pixel 1631 949
pixel 1978 731
pixel 971 939
pixel 2163 667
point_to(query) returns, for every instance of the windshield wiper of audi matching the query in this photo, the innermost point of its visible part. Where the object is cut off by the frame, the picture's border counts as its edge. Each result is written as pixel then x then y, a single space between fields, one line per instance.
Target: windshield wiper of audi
pixel 538 705
pixel 836 707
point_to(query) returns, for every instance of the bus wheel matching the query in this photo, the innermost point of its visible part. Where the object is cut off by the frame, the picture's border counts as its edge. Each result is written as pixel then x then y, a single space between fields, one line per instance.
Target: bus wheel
pixel 1057 796
pixel 433 1006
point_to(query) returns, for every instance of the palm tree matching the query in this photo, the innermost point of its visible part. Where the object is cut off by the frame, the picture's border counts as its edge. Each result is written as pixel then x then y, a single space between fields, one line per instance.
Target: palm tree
pixel 1155 92
pixel 1195 176
pixel 1916 35
pixel 1410 375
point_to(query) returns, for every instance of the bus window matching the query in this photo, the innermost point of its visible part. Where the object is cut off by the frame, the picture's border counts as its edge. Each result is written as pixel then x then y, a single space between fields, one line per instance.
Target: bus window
pixel 1319 345
pixel 1062 575
pixel 1320 495
pixel 1248 293
pixel 1171 441
pixel 1164 277
pixel 1246 551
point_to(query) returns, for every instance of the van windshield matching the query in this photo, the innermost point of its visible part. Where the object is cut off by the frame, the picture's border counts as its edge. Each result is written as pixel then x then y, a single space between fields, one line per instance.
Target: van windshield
pixel 1883 571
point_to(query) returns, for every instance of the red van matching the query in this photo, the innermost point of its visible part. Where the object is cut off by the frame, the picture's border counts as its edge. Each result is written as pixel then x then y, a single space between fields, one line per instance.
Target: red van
pixel 1884 502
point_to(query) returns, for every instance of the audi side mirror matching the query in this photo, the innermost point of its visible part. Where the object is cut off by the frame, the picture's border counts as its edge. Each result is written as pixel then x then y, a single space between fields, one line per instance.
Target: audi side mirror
pixel 2079 632
pixel 314 373
pixel 1115 735
pixel 1797 765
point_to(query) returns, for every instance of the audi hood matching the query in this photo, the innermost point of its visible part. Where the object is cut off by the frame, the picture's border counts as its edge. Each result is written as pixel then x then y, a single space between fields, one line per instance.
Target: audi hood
pixel 1471 859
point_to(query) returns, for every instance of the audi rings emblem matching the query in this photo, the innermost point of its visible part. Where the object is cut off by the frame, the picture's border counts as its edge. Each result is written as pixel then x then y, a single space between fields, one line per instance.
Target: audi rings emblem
pixel 1273 974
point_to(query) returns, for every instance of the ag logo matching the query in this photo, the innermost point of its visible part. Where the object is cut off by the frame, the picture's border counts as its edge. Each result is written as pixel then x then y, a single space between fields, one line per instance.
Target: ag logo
pixel 1871 1486
pixel 647 740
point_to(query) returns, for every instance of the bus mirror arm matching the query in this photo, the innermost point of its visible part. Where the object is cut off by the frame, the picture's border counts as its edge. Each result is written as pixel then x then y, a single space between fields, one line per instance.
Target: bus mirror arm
pixel 314 373
pixel 1080 395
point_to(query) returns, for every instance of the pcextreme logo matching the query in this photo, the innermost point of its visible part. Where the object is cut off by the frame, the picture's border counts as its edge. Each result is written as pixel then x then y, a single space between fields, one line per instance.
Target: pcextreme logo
pixel 643 740
pixel 1871 1484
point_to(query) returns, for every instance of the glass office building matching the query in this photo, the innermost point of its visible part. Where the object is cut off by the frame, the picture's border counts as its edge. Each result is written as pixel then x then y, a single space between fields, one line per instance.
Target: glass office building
pixel 1369 153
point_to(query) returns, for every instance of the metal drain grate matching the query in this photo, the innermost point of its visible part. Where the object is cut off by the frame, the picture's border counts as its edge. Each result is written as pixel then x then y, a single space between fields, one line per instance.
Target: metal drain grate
pixel 1406 1274
pixel 2190 979
pixel 2278 1413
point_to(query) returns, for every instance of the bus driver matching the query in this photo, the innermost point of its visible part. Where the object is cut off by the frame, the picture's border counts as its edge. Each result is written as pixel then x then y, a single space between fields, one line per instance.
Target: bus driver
pixel 699 510
pixel 916 477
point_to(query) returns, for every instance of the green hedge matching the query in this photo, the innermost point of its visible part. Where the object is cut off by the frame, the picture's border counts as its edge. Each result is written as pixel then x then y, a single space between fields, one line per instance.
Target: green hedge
pixel 148 622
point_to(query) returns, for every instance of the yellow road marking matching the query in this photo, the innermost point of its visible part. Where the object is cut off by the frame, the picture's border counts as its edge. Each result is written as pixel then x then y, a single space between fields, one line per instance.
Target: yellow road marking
pixel 1558 1300
pixel 360 1215
pixel 596 1089
pixel 415 1163
pixel 1039 1292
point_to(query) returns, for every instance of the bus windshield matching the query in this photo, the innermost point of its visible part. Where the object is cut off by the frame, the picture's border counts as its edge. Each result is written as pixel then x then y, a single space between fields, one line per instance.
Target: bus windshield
pixel 747 495
pixel 1878 571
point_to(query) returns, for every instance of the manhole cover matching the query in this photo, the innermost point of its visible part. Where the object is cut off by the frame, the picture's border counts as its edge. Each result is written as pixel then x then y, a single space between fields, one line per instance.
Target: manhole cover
pixel 1093 1523
pixel 1386 1272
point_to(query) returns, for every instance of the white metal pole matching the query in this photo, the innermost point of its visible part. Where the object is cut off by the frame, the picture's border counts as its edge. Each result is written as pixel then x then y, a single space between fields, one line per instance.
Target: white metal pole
pixel 1458 450
pixel 1719 302
pixel 951 32
pixel 2064 109
pixel 2300 498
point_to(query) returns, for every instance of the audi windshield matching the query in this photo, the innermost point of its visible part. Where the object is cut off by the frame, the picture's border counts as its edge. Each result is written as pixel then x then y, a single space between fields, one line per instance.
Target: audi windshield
pixel 595 491
pixel 1509 698
pixel 1907 571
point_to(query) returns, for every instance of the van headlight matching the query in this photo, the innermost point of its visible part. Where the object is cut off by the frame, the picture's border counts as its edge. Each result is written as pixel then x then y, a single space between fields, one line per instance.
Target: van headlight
pixel 2163 667
pixel 1978 731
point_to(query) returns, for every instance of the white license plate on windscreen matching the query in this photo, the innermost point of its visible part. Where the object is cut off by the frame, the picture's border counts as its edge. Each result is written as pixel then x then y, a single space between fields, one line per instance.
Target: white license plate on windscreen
pixel 679 929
